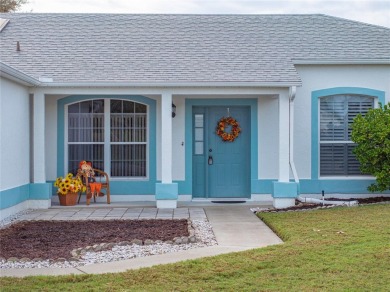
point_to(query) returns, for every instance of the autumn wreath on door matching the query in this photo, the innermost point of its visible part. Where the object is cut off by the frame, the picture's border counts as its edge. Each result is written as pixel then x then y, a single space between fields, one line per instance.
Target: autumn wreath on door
pixel 226 123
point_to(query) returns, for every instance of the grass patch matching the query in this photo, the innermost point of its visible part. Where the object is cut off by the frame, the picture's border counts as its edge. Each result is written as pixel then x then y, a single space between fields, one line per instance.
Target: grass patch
pixel 331 250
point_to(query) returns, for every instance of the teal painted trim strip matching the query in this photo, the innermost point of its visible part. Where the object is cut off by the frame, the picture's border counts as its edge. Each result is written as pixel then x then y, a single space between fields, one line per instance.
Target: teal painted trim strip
pixel 262 186
pixel 380 95
pixel 252 102
pixel 285 190
pixel 119 185
pixel 184 187
pixel 14 196
pixel 166 191
pixel 135 188
pixel 132 187
pixel 307 186
pixel 40 191
pixel 343 186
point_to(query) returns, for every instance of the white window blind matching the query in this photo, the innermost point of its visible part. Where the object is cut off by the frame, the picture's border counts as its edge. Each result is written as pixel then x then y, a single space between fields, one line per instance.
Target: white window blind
pixel 336 117
pixel 127 144
pixel 86 133
pixel 128 139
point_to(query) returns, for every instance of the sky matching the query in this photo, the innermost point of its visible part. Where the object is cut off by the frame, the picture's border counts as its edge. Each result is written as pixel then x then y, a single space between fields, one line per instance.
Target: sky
pixel 369 11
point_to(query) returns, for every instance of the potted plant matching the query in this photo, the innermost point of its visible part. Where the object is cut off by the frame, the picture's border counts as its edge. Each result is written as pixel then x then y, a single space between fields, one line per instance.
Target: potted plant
pixel 68 189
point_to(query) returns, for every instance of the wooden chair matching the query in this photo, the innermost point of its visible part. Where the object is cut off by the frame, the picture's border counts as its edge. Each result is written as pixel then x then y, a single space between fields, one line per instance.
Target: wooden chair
pixel 94 177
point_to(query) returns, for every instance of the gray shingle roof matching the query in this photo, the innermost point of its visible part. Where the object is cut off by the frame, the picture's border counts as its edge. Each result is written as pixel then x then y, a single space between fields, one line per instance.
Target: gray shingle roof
pixel 182 48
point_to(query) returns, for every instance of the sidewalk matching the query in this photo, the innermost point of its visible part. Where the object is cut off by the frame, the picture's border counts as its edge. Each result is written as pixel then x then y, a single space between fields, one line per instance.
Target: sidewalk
pixel 236 228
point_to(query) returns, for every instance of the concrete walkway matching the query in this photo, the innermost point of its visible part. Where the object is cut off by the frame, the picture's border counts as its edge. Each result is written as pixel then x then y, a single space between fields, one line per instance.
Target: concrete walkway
pixel 235 227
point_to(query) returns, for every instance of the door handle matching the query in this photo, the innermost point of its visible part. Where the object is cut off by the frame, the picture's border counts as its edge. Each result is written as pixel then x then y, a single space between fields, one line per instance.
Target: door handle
pixel 210 160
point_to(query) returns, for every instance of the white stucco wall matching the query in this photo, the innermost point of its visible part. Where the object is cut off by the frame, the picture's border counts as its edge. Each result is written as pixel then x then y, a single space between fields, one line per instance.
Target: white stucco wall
pixel 322 77
pixel 14 135
pixel 268 128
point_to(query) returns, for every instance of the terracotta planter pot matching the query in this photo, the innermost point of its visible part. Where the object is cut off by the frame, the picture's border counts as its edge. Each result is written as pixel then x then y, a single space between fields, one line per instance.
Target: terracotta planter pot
pixel 69 200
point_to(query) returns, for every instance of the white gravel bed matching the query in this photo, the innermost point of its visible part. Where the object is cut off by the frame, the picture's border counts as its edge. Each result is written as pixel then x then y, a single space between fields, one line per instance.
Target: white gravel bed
pixel 203 233
pixel 10 219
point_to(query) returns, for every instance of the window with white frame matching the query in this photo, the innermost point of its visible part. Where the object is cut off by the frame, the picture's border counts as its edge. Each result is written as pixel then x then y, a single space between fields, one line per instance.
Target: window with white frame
pixel 336 117
pixel 112 133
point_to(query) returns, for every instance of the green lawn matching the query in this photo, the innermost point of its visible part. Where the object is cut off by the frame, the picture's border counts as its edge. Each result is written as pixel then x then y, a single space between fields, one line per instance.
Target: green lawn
pixel 331 250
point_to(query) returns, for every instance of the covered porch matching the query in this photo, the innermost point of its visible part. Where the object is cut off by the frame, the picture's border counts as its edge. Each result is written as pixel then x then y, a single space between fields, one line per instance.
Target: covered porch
pixel 170 177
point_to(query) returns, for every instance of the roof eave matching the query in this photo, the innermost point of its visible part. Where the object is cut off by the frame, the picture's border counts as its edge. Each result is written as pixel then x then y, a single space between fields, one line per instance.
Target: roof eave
pixel 17 76
pixel 384 61
pixel 170 84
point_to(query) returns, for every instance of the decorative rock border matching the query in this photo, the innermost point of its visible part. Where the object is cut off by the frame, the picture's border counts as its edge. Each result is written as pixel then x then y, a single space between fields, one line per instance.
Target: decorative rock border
pixel 274 210
pixel 79 252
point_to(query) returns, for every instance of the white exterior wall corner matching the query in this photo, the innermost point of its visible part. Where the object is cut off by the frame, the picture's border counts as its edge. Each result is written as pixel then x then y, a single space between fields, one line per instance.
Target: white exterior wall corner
pixel 14 134
pixel 317 77
pixel 39 149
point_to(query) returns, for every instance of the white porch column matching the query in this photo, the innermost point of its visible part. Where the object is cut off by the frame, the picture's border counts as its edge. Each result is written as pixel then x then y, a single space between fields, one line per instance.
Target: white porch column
pixel 284 137
pixel 284 191
pixel 166 191
pixel 40 192
pixel 166 138
pixel 39 175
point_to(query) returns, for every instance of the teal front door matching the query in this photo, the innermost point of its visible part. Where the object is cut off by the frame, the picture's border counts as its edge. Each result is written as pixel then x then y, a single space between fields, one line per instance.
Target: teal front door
pixel 221 169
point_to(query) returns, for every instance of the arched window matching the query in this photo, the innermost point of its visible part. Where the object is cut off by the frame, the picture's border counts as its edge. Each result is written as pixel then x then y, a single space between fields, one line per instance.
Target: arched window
pixel 112 133
pixel 336 117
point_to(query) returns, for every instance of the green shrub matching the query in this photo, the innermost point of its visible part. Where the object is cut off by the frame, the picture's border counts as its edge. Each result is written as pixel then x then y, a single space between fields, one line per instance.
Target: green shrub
pixel 371 133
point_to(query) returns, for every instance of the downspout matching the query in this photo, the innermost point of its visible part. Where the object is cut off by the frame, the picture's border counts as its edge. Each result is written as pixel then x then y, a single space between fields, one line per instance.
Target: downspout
pixel 292 93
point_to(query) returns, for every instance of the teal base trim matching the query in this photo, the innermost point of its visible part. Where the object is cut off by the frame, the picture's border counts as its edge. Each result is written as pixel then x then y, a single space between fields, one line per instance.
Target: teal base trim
pixel 285 190
pixel 316 186
pixel 262 186
pixel 14 196
pixel 127 188
pixel 166 191
pixel 135 187
pixel 184 187
pixel 141 187
pixel 132 187
pixel 344 186
pixel 41 191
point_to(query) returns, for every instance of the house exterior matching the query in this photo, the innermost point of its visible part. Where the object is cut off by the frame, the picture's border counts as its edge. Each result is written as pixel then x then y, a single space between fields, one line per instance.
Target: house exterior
pixel 101 87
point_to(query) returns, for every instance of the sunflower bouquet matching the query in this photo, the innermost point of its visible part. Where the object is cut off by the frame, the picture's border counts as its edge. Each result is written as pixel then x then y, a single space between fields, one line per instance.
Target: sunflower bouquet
pixel 69 184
